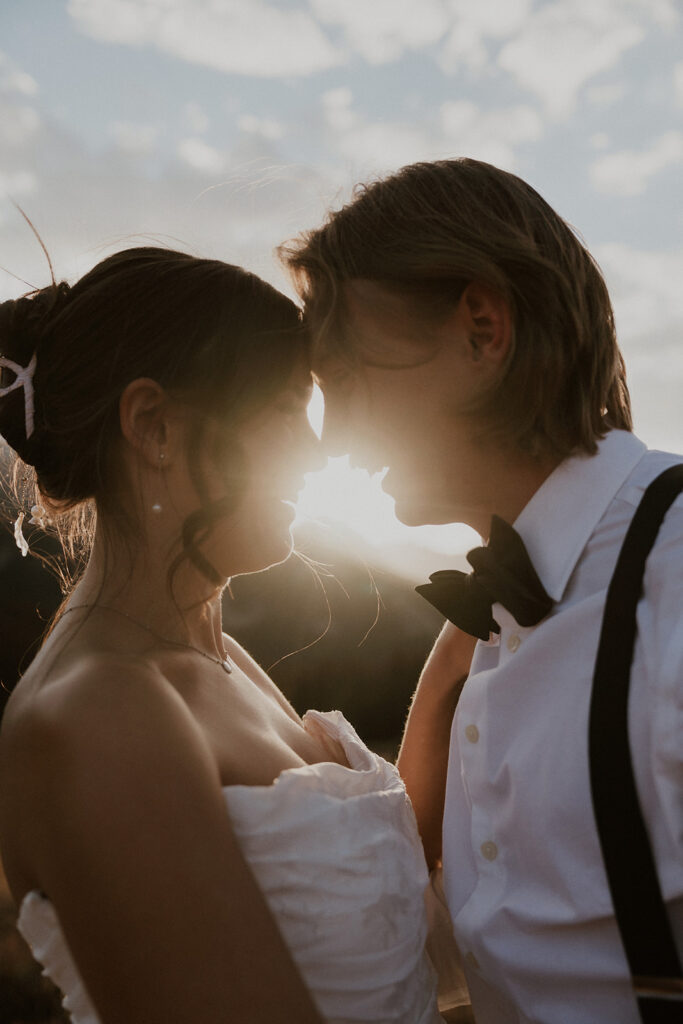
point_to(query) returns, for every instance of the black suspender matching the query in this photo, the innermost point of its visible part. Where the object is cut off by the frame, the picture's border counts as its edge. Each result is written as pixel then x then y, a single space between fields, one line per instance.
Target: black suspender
pixel 631 870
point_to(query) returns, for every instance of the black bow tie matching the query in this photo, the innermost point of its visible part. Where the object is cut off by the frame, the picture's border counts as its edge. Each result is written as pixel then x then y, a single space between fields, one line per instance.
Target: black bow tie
pixel 503 573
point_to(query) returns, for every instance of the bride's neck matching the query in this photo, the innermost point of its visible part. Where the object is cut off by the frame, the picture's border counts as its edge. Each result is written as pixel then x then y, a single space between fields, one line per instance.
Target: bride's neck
pixel 133 578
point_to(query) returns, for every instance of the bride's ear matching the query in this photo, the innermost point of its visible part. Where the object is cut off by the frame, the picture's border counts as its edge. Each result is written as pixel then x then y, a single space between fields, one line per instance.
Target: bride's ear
pixel 146 421
pixel 486 317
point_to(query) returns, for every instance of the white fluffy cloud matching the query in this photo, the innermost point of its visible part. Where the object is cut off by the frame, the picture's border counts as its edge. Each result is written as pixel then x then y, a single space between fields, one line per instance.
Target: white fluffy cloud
pixel 475 25
pixel 383 30
pixel 490 135
pixel 202 157
pixel 248 37
pixel 565 44
pixel 456 32
pixel 459 128
pixel 628 171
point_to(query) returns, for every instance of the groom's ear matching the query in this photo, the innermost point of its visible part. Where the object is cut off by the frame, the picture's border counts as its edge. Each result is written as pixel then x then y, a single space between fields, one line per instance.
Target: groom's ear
pixel 486 318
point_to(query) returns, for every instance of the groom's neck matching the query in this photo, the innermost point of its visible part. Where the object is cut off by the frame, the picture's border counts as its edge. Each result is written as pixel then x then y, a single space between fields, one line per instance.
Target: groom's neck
pixel 507 481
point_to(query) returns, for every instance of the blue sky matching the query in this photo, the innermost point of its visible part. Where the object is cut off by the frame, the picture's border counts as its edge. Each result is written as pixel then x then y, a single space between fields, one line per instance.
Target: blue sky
pixel 225 126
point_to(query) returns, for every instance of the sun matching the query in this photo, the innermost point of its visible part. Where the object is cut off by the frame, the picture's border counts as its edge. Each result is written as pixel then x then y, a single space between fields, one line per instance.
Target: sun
pixel 353 499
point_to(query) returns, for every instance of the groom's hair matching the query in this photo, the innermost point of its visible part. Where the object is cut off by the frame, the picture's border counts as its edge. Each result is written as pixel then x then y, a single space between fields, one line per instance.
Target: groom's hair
pixel 431 228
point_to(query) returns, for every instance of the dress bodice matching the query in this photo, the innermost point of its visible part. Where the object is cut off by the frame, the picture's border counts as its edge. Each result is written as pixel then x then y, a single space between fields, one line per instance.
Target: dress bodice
pixel 336 852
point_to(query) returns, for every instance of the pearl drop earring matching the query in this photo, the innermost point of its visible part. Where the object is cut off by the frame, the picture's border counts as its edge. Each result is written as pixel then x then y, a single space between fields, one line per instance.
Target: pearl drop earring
pixel 157 507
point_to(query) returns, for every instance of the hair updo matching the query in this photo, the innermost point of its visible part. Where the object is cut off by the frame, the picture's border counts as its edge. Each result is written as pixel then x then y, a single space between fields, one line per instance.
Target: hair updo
pixel 213 335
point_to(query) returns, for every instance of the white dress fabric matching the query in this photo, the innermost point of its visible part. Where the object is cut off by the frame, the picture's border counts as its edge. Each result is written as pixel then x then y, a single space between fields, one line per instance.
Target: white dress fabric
pixel 337 855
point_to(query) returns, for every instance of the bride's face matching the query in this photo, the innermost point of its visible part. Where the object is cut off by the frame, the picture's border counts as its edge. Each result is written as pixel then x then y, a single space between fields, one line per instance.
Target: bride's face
pixel 278 446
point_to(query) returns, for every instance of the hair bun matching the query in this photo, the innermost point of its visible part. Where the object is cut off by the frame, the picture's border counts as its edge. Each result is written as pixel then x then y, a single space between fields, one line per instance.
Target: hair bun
pixel 24 322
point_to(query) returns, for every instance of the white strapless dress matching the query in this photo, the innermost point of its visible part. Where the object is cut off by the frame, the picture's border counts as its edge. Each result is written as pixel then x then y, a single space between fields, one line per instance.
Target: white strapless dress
pixel 338 857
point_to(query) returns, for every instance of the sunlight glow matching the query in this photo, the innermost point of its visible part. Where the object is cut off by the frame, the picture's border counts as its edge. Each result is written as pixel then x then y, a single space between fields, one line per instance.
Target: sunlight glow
pixel 316 411
pixel 354 500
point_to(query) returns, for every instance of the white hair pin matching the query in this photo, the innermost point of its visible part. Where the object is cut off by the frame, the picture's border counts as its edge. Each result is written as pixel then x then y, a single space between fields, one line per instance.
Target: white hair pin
pixel 19 538
pixel 23 380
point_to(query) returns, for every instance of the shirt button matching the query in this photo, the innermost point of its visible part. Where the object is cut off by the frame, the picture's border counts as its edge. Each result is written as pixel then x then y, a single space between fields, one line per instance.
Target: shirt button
pixel 513 642
pixel 489 850
pixel 471 960
pixel 472 733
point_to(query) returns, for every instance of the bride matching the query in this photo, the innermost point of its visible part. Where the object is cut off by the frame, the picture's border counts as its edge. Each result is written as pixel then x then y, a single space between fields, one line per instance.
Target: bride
pixel 180 844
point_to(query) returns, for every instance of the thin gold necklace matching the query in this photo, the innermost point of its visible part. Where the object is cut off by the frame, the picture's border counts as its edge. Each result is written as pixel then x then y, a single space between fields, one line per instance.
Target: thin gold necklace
pixel 224 663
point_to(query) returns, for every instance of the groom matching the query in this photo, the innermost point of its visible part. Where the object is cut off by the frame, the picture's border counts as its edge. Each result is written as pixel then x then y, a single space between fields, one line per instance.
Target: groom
pixel 464 337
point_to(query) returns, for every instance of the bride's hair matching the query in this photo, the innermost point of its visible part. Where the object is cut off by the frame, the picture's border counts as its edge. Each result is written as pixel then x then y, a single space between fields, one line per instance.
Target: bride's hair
pixel 214 336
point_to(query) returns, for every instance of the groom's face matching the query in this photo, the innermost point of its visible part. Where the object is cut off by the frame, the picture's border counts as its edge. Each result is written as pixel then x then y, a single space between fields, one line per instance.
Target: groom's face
pixel 403 401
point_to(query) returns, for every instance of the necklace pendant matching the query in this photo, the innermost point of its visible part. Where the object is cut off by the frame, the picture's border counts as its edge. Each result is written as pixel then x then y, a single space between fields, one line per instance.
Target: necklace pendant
pixel 226 666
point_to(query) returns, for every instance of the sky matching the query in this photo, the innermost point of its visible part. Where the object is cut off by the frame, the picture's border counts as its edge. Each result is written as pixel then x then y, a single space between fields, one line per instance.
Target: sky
pixel 224 127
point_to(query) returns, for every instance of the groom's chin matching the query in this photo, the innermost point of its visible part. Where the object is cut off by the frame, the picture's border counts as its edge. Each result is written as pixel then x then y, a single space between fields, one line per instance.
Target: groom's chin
pixel 418 513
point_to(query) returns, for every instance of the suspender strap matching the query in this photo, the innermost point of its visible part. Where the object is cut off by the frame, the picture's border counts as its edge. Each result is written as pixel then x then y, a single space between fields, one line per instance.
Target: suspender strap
pixel 631 872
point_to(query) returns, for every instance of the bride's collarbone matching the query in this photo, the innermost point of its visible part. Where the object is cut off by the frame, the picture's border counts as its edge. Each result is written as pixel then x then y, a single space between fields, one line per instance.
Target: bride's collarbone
pixel 254 736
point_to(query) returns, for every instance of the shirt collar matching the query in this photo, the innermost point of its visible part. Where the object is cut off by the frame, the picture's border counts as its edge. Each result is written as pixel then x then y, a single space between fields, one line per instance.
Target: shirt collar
pixel 558 521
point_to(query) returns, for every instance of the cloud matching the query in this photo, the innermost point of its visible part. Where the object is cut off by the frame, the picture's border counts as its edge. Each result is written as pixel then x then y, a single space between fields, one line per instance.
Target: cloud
pixel 16 184
pixel 453 31
pixel 566 43
pixel 383 30
pixel 13 80
pixel 458 128
pixel 628 172
pixel 18 123
pixel 473 24
pixel 246 37
pixel 490 135
pixel 19 120
pixel 202 157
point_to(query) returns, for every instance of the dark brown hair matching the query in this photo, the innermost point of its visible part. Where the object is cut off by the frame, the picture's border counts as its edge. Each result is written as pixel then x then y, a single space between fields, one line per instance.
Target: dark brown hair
pixel 431 228
pixel 213 335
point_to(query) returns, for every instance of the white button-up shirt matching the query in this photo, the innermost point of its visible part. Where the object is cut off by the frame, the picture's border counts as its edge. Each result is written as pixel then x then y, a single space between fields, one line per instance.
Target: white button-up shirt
pixel 523 871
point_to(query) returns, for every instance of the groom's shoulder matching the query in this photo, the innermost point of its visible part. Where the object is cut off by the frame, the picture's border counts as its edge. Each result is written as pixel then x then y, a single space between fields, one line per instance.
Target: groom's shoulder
pixel 664 565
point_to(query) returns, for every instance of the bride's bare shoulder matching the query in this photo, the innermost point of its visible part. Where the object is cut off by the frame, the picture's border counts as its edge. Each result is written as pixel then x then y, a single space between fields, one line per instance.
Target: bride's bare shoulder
pixel 95 686
pixel 85 716
pixel 80 737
